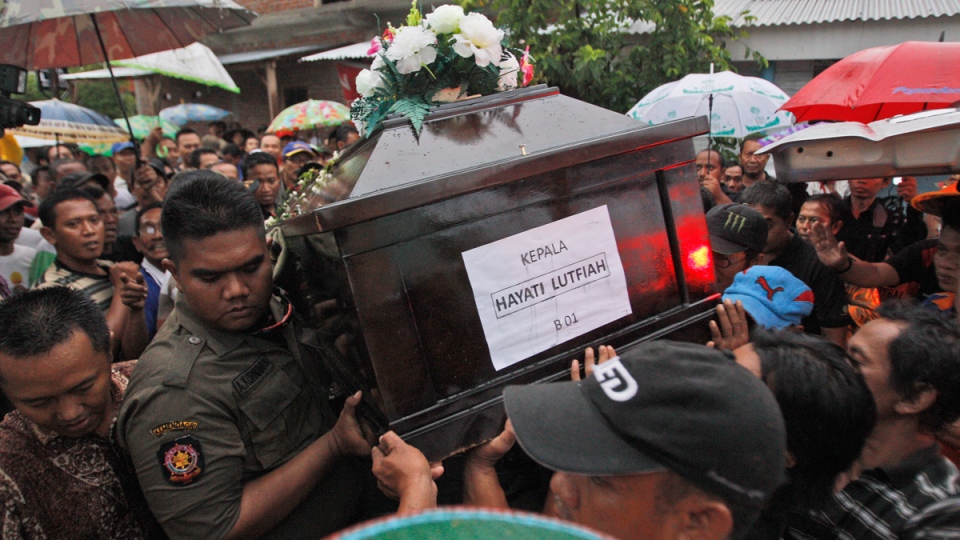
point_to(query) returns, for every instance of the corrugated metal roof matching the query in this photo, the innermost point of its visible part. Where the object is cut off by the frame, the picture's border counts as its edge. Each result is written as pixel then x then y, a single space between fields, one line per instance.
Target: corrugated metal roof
pixel 783 12
pixel 254 56
pixel 357 50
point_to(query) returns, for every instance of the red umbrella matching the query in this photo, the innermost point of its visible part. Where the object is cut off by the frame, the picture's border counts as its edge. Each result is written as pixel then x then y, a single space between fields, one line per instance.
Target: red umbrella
pixel 882 82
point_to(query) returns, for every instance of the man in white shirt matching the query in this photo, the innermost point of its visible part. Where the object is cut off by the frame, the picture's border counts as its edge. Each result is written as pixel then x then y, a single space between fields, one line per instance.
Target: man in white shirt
pixel 15 259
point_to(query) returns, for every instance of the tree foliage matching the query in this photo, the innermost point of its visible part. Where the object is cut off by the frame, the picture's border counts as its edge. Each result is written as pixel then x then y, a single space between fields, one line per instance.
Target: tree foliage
pixel 586 48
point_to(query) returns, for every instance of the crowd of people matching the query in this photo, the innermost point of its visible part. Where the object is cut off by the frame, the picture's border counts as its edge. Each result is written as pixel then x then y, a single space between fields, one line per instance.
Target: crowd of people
pixel 160 385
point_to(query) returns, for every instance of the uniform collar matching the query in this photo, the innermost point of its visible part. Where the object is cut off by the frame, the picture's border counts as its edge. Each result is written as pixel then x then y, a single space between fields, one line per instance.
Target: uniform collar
pixel 219 341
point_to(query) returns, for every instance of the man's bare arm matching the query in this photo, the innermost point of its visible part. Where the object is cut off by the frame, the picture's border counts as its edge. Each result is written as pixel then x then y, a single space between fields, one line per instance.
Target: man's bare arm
pixel 834 255
pixel 403 473
pixel 481 486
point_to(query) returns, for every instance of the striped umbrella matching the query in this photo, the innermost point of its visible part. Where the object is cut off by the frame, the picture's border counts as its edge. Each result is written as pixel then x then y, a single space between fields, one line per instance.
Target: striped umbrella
pixel 310 114
pixel 66 122
pixel 43 34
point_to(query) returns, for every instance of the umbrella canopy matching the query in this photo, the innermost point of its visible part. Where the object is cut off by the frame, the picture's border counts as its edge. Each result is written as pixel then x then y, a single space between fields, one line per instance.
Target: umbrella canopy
pixel 741 105
pixel 310 114
pixel 66 122
pixel 41 35
pixel 195 63
pixel 143 124
pixel 882 82
pixel 473 523
pixel 192 112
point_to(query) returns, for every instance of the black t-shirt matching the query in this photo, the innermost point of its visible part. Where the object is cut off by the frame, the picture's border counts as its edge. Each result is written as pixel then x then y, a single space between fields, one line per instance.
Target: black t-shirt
pixel 914 264
pixel 829 294
pixel 878 229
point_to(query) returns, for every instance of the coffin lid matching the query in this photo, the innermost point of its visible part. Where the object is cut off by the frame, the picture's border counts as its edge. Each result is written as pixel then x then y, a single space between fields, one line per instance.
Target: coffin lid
pixel 471 145
pixel 917 144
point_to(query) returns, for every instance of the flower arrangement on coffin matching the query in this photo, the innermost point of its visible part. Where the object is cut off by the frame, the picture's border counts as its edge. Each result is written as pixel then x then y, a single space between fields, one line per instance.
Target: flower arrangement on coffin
pixel 445 56
pixel 309 186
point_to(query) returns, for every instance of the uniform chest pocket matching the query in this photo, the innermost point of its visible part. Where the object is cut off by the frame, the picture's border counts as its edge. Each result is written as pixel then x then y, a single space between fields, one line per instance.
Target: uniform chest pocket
pixel 269 407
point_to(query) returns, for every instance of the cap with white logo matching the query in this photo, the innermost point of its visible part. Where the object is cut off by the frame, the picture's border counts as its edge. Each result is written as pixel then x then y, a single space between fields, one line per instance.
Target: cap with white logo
pixel 659 406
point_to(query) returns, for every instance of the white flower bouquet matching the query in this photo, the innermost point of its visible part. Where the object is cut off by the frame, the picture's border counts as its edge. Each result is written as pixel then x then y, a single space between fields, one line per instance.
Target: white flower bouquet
pixel 434 59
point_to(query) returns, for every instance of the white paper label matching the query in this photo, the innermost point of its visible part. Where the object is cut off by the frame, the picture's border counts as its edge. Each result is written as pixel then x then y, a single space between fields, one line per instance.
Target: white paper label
pixel 542 287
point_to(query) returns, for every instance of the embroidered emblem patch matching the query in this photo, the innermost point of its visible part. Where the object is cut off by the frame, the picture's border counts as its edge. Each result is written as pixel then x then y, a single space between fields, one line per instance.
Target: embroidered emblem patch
pixel 182 461
pixel 183 425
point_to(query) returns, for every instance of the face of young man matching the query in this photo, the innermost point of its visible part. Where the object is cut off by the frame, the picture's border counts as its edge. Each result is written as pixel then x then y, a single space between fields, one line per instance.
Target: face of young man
pixel 12 172
pixel 250 145
pixel 752 163
pixel 733 178
pixel 947 259
pixel 149 239
pixel 778 230
pixel 148 187
pixel 226 169
pixel 271 145
pixel 867 188
pixel 43 184
pixel 104 166
pixel 125 161
pixel 110 217
pixel 187 143
pixel 11 221
pixel 207 160
pixel 78 232
pixel 226 278
pixel 59 152
pixel 266 174
pixel 814 212
pixel 173 151
pixel 66 390
pixel 869 349
pixel 707 164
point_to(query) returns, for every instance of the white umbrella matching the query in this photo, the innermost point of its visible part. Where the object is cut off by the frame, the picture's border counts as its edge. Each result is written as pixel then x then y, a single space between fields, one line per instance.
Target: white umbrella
pixel 195 63
pixel 741 105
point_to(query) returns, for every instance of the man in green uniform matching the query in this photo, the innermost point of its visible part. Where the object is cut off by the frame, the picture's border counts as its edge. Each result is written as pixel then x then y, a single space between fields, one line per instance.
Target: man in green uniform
pixel 225 418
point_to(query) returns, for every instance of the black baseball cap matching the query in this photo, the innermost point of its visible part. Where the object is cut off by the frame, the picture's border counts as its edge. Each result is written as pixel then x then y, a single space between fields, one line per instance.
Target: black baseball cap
pixel 659 406
pixel 736 227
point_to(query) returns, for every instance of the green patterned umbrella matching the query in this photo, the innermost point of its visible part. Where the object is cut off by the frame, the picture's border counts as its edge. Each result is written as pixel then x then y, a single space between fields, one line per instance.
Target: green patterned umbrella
pixel 310 114
pixel 143 124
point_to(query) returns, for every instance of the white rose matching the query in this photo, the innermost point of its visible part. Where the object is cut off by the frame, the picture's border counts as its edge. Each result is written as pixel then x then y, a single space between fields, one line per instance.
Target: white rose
pixel 377 62
pixel 412 47
pixel 509 69
pixel 367 82
pixel 478 37
pixel 445 19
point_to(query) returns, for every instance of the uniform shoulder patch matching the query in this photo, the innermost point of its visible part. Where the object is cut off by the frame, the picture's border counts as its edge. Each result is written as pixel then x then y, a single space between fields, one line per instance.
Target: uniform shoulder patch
pixel 182 425
pixel 181 461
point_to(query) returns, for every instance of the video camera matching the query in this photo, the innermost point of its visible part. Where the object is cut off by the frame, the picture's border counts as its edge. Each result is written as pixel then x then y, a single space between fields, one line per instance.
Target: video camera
pixel 13 113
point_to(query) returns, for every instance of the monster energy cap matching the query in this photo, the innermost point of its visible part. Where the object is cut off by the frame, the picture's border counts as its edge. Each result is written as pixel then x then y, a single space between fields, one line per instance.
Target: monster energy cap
pixel 735 228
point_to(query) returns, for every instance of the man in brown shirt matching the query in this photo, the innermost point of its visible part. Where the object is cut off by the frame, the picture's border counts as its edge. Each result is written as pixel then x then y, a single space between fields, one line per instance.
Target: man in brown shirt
pixel 61 473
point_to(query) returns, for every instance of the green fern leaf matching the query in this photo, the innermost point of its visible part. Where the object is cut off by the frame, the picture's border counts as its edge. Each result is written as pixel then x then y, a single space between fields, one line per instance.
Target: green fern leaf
pixel 414 108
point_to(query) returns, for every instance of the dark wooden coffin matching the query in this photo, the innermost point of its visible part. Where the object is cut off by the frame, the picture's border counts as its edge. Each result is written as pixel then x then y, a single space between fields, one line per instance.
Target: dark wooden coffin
pixel 379 262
